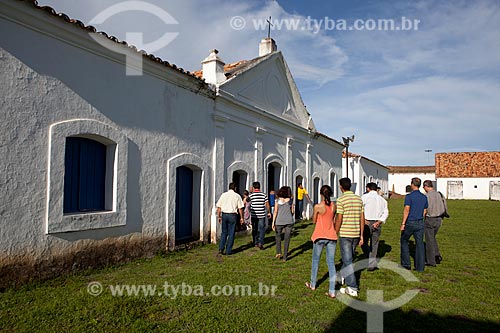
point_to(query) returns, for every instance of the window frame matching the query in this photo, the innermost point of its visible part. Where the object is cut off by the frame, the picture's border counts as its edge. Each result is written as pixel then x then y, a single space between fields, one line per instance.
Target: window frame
pixel 56 221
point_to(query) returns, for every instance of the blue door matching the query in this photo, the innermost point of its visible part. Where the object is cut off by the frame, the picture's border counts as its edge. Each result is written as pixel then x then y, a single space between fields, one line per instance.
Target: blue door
pixel 184 205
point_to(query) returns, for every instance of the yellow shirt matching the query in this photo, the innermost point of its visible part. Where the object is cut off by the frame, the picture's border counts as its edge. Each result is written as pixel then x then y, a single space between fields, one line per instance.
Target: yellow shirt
pixel 300 193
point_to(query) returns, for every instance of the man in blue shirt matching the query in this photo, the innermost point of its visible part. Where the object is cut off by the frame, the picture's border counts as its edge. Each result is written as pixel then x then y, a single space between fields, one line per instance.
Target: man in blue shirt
pixel 413 224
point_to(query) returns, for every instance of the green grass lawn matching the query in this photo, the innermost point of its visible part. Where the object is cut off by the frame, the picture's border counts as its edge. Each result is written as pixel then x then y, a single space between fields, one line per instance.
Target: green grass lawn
pixel 462 294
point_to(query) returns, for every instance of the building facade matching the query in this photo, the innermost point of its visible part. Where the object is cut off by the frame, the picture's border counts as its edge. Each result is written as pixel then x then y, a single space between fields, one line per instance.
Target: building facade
pixel 362 170
pixel 469 175
pixel 99 166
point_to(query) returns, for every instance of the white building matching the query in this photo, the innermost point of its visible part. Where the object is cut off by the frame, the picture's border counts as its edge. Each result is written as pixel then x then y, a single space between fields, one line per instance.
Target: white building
pixel 100 167
pixel 362 170
pixel 469 175
pixel 400 177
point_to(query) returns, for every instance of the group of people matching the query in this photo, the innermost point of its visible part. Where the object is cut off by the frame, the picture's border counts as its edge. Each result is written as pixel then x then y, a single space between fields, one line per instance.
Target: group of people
pixel 255 209
pixel 352 220
pixel 423 214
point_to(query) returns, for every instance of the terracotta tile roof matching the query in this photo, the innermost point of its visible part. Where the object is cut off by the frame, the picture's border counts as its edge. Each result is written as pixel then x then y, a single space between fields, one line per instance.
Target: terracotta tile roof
pixel 412 169
pixel 51 11
pixel 350 154
pixel 468 165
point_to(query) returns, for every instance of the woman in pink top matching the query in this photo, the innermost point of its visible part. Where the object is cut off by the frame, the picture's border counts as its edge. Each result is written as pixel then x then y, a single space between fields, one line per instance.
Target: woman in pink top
pixel 324 235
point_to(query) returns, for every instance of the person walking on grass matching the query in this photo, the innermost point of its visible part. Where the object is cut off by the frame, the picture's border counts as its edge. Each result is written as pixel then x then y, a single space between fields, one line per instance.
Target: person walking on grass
pixel 376 214
pixel 324 235
pixel 437 208
pixel 259 209
pixel 349 226
pixel 301 193
pixel 283 220
pixel 228 207
pixel 413 224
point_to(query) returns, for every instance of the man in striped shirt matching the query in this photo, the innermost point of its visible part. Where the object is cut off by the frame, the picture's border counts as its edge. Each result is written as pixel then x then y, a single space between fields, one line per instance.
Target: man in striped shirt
pixel 259 208
pixel 349 226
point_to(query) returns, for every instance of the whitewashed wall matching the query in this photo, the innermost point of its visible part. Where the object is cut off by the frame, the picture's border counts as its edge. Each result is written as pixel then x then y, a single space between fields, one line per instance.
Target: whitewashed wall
pixel 362 171
pixel 164 116
pixel 472 188
pixel 399 181
pixel 373 172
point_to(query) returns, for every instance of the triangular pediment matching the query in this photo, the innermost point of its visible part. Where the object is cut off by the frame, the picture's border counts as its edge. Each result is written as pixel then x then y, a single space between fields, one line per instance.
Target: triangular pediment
pixel 268 85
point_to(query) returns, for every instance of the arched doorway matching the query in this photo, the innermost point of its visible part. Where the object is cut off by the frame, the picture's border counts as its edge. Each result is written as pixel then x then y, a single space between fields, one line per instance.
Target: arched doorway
pixel 316 194
pixel 240 179
pixel 298 180
pixel 333 183
pixel 273 176
pixel 187 204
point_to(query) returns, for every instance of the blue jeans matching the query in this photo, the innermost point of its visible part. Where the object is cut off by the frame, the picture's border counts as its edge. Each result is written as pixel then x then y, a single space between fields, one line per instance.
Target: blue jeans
pixel 258 230
pixel 347 248
pixel 330 260
pixel 301 208
pixel 415 228
pixel 228 228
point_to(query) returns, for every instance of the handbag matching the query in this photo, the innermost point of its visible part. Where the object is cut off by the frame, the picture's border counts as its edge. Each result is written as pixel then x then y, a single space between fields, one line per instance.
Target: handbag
pixel 445 213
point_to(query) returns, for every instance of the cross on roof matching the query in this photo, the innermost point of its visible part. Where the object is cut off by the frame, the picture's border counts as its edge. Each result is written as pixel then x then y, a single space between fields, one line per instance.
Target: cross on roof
pixel 269 27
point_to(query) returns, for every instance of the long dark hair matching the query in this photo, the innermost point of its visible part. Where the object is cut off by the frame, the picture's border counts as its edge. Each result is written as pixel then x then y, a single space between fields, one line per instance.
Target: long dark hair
pixel 327 192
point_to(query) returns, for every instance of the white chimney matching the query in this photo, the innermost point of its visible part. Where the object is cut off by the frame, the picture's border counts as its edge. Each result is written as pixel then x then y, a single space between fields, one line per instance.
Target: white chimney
pixel 266 46
pixel 213 68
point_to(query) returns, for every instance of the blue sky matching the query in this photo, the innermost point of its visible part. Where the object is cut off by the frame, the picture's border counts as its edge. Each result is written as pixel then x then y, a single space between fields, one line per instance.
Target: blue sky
pixel 400 92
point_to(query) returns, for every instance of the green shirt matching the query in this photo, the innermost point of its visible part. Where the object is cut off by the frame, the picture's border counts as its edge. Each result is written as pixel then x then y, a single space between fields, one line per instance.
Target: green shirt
pixel 351 207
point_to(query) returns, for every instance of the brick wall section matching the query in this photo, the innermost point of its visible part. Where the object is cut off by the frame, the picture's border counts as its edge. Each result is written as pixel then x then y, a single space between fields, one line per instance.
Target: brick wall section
pixel 468 165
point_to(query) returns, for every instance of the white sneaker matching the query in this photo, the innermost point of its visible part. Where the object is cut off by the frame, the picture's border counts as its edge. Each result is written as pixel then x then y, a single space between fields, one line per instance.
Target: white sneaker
pixel 349 291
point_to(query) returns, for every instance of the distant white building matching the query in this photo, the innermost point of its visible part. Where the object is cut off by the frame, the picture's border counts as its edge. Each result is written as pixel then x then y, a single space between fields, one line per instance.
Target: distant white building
pixel 362 170
pixel 469 175
pixel 400 177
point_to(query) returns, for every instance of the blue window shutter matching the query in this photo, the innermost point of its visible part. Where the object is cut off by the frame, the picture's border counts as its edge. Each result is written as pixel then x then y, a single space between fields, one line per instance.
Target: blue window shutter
pixel 85 175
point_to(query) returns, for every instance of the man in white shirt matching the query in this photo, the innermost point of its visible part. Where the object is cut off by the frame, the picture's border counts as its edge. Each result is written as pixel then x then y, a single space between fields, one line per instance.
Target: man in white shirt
pixel 228 206
pixel 376 214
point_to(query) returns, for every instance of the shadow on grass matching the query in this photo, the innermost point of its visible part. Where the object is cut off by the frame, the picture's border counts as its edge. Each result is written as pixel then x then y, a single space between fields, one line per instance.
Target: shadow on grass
pixel 416 320
pixel 243 247
pixel 383 248
pixel 297 251
pixel 300 225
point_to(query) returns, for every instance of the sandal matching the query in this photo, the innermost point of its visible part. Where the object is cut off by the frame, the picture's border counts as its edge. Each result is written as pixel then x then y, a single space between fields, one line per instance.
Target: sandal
pixel 278 255
pixel 308 285
pixel 330 295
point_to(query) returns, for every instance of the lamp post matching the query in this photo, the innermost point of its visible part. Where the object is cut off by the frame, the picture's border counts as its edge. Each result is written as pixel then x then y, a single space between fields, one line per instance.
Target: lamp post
pixel 346 145
pixel 428 151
